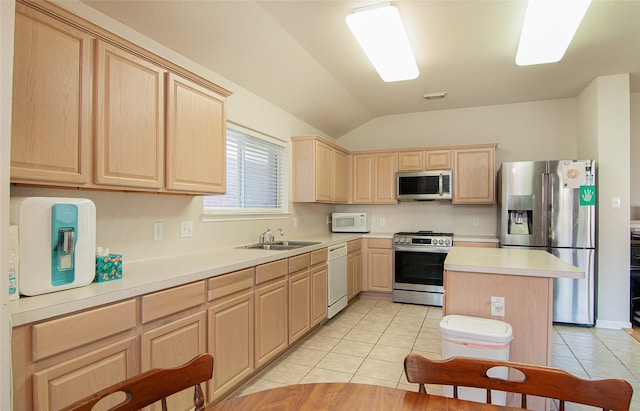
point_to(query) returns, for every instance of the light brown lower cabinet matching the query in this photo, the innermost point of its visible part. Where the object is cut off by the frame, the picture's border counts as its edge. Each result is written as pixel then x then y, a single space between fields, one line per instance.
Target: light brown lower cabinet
pixel 63 360
pixel 172 344
pixel 354 268
pixel 379 264
pixel 245 319
pixel 271 331
pixel 231 341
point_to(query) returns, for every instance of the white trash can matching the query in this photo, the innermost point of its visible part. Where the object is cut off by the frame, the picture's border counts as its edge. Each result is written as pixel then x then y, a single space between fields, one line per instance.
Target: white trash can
pixel 464 336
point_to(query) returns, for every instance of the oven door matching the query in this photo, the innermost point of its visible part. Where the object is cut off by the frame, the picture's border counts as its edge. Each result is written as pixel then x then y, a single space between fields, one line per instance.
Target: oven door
pixel 420 270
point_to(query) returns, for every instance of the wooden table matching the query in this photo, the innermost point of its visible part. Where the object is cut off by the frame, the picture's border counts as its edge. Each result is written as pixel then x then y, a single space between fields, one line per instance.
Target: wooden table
pixel 347 396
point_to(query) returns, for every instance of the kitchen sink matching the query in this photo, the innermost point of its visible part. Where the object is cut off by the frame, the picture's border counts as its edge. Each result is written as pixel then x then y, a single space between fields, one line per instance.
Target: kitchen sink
pixel 279 245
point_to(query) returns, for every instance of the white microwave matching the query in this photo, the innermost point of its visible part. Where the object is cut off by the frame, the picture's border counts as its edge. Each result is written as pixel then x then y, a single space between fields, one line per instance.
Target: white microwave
pixel 350 223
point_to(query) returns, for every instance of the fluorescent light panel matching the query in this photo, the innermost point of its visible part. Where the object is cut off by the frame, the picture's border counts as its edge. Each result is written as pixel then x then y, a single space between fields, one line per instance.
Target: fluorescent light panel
pixel 549 27
pixel 382 36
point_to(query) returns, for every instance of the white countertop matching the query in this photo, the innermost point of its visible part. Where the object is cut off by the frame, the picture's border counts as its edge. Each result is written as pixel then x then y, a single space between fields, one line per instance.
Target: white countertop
pixel 471 238
pixel 537 263
pixel 143 277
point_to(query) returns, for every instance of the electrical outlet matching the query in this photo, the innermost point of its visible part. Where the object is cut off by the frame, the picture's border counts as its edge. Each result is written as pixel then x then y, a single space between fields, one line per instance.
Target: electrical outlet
pixel 295 222
pixel 382 221
pixel 476 222
pixel 158 229
pixel 186 229
pixel 497 306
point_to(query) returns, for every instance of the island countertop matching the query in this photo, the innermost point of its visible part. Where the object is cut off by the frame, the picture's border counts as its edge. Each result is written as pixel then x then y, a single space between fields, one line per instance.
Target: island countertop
pixel 536 263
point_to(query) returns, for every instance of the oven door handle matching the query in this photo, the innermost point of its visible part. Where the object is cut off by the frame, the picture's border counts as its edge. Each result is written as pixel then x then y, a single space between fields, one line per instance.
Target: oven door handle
pixel 434 250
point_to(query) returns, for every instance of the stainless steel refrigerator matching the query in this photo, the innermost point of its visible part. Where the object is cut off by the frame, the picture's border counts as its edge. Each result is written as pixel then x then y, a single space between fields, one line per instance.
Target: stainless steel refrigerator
pixel 551 205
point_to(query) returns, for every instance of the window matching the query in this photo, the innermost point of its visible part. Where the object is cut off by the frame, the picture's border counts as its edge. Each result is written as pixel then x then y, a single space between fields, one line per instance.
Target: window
pixel 256 170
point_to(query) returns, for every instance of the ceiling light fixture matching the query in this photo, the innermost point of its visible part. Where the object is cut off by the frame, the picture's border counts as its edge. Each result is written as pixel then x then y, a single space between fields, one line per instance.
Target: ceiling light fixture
pixel 548 28
pixel 382 36
pixel 435 96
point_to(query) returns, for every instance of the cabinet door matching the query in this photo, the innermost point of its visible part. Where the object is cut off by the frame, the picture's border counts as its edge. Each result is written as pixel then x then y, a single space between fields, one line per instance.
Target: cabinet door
pixel 385 178
pixel 196 138
pixel 351 264
pixel 411 160
pixel 380 270
pixel 340 176
pixel 324 172
pixel 299 304
pixel 171 345
pixel 231 341
pixel 68 381
pixel 129 120
pixel 50 127
pixel 319 293
pixel 363 178
pixel 437 160
pixel 474 176
pixel 270 320
pixel 357 275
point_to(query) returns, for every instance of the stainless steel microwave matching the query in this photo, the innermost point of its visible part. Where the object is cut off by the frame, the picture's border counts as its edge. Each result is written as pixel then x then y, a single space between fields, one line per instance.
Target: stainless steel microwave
pixel 424 185
pixel 350 223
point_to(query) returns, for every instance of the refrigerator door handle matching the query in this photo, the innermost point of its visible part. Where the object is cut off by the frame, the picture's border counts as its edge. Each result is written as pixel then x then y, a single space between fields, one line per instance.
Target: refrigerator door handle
pixel 546 209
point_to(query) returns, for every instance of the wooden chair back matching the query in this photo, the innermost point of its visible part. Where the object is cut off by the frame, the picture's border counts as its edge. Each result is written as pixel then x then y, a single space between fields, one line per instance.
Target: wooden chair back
pixel 541 381
pixel 155 385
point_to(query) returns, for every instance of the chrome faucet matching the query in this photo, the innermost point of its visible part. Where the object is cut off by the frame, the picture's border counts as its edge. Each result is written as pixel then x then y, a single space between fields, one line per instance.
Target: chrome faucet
pixel 267 236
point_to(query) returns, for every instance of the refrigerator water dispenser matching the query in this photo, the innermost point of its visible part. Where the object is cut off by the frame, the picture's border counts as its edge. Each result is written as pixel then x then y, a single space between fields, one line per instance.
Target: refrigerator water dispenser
pixel 57 242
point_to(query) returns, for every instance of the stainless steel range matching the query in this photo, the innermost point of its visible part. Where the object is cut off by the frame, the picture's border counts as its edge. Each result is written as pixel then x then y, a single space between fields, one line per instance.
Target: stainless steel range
pixel 418 266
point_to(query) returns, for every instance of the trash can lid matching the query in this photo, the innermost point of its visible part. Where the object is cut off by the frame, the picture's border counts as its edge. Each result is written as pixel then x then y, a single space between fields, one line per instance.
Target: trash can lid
pixel 484 329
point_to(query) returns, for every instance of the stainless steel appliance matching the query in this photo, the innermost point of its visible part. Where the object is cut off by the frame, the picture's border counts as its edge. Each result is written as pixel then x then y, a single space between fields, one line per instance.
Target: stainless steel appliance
pixel 350 223
pixel 551 205
pixel 424 185
pixel 337 265
pixel 418 266
pixel 634 273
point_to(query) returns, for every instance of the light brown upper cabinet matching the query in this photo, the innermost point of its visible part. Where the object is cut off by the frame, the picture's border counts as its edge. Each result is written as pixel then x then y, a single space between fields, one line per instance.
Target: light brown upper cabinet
pixel 51 118
pixel 419 160
pixel 319 171
pixel 73 78
pixel 196 138
pixel 129 147
pixel 374 178
pixel 474 175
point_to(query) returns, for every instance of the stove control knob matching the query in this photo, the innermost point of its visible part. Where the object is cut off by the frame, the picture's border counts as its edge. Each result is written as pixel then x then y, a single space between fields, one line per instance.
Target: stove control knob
pixel 447 242
pixel 440 241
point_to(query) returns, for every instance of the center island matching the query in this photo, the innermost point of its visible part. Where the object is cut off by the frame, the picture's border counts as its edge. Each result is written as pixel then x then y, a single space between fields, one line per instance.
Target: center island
pixel 523 277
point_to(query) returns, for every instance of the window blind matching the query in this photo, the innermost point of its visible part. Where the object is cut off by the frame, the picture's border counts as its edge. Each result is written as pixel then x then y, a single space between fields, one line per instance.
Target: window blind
pixel 255 175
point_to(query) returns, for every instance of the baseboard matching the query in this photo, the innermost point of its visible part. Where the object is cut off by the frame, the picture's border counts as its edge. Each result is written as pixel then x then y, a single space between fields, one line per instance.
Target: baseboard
pixel 614 325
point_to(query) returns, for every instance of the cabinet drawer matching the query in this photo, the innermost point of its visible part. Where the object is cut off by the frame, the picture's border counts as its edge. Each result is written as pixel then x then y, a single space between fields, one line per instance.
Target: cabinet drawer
pixel 318 256
pixel 299 262
pixel 269 271
pixel 56 336
pixel 228 284
pixel 163 303
pixel 379 242
pixel 354 245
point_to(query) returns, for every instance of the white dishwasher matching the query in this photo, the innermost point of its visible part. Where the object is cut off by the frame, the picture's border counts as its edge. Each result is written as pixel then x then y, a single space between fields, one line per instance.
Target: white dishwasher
pixel 337 278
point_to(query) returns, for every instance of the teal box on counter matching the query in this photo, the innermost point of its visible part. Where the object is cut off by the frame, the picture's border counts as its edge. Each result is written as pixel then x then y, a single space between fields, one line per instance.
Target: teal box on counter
pixel 108 267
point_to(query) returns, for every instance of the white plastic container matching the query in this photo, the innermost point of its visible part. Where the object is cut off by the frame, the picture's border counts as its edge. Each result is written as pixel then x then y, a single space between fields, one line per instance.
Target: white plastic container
pixel 464 336
pixel 14 259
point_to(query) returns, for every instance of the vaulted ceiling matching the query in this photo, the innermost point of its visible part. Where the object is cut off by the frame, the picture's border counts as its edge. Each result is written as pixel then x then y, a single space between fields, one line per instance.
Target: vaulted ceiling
pixel 301 56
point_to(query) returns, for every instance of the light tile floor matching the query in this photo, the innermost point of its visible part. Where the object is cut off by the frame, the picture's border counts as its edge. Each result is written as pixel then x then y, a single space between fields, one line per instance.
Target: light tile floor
pixel 368 341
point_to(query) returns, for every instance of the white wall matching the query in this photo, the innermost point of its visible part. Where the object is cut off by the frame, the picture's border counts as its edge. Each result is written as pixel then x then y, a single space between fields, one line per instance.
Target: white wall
pixel 6 69
pixel 539 130
pixel 604 129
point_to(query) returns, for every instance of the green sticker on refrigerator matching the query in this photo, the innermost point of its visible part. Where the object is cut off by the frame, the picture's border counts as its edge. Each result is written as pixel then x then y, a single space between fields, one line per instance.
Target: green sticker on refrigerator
pixel 587 195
